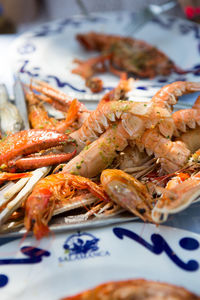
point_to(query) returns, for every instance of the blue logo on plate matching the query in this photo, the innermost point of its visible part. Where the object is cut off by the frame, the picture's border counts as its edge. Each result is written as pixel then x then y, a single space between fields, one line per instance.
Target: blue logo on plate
pixel 80 246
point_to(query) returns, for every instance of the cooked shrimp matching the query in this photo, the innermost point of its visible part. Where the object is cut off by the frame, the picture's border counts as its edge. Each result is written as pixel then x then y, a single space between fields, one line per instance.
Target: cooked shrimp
pixel 172 155
pixel 168 95
pixel 180 192
pixel 128 192
pixel 4 176
pixel 120 92
pixel 98 155
pixel 135 116
pixel 39 118
pixel 129 54
pixel 88 68
pixel 57 99
pixel 40 204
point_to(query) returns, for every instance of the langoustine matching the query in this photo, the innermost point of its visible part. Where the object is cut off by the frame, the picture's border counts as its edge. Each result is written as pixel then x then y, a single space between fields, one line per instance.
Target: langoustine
pixel 39 118
pixel 144 124
pixel 45 93
pixel 128 192
pixel 180 191
pixel 5 176
pixel 129 55
pixel 149 199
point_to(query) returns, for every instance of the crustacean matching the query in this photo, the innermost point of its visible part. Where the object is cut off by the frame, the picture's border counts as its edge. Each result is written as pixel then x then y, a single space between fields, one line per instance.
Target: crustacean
pixel 86 69
pixel 128 192
pixel 183 187
pixel 149 126
pixel 181 190
pixel 39 118
pixel 17 150
pixel 5 176
pixel 149 199
pixel 115 128
pixel 125 54
pixel 186 119
pixel 54 188
pixel 39 92
pixel 75 111
pixel 137 289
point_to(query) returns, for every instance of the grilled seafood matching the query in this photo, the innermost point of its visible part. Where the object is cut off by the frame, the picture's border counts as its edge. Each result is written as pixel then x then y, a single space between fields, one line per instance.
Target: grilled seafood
pixel 59 100
pixel 124 86
pixel 16 194
pixel 128 54
pixel 135 116
pixel 137 289
pixel 57 187
pixel 187 118
pixel 128 192
pixel 76 111
pixel 168 95
pixel 171 155
pixel 26 142
pixel 116 128
pixel 102 152
pixel 180 191
pixel 135 162
pixel 87 69
pixel 141 122
pixel 4 176
pixel 39 118
pixel 148 199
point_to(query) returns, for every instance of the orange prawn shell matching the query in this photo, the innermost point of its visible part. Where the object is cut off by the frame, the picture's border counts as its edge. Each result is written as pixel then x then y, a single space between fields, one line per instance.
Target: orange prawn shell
pixel 40 204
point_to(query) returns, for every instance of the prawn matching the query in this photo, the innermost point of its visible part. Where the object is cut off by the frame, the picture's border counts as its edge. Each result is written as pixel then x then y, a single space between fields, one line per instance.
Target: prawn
pixel 136 117
pixel 187 118
pixel 39 118
pixel 179 193
pixel 129 55
pixel 56 98
pixel 98 155
pixel 168 95
pixel 41 203
pixel 128 192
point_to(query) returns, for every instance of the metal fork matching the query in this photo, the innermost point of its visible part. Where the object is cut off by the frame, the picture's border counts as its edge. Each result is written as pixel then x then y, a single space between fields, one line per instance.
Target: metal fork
pixel 146 15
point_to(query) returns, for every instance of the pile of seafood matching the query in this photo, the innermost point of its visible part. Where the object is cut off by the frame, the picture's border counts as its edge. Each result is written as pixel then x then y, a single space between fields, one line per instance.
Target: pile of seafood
pixel 139 157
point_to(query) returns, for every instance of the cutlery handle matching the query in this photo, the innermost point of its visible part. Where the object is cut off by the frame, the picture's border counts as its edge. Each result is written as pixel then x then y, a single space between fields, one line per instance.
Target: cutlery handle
pixel 83 8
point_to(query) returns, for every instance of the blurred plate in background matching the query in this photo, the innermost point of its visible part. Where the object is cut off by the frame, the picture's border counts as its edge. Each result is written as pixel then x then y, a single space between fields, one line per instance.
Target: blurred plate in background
pixel 47 52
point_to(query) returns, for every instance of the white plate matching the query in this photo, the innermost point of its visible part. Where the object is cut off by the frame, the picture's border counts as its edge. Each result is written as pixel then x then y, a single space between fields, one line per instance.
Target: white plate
pixel 133 250
pixel 48 51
